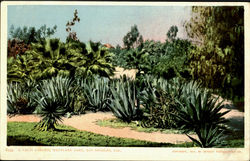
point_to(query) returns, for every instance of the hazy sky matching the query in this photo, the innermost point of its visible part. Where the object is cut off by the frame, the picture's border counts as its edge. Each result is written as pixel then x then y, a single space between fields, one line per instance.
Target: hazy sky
pixel 107 24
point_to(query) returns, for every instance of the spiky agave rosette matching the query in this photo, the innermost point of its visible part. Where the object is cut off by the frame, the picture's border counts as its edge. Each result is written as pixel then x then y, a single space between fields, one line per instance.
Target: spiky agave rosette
pixel 53 98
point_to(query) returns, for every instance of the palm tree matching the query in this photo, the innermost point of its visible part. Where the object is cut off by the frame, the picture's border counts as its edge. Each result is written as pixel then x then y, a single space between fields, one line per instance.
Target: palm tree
pixel 46 59
pixel 98 60
pixel 52 57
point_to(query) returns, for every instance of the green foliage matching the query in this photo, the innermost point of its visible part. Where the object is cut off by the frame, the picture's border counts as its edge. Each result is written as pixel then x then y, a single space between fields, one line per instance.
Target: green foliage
pixel 119 57
pixel 133 38
pixel 174 60
pixel 166 60
pixel 31 35
pixel 219 61
pixel 200 112
pixel 158 98
pixel 96 91
pixel 20 133
pixel 19 99
pixel 123 102
pixel 177 104
pixel 21 69
pixel 79 101
pixel 98 61
pixel 208 135
pixel 52 57
pixel 13 96
pixel 172 32
pixel 53 98
pixel 44 60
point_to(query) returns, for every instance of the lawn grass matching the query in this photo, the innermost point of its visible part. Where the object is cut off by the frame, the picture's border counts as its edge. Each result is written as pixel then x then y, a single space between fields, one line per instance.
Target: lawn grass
pixel 116 123
pixel 23 133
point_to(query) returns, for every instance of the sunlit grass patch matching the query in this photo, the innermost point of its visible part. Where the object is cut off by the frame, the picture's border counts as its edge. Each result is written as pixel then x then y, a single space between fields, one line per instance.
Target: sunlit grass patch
pixel 116 123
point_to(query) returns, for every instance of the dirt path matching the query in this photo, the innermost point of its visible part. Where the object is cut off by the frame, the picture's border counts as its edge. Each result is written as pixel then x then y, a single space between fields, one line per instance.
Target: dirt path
pixel 87 122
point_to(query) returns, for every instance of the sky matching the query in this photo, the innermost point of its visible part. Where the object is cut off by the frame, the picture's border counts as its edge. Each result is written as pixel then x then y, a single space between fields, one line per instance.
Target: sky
pixel 107 24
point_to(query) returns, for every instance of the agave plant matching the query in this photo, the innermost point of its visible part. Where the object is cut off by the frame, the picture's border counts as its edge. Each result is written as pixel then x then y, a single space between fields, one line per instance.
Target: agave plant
pixel 15 93
pixel 123 102
pixel 192 87
pixel 209 136
pixel 53 98
pixel 199 112
pixel 96 91
pixel 19 100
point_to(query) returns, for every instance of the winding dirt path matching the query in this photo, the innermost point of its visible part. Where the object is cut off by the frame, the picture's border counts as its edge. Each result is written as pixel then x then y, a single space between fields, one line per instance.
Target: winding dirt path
pixel 87 122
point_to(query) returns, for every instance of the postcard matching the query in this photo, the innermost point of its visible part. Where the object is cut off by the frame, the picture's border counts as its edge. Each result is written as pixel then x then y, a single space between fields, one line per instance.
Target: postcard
pixel 124 81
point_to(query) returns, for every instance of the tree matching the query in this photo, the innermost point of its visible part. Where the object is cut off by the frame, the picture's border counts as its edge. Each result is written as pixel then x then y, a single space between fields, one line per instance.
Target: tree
pixel 21 38
pixel 98 61
pixel 30 34
pixel 133 38
pixel 219 61
pixel 172 32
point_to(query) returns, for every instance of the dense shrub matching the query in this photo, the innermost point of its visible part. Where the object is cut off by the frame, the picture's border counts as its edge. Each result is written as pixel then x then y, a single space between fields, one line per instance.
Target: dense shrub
pixel 166 60
pixel 158 98
pixel 16 47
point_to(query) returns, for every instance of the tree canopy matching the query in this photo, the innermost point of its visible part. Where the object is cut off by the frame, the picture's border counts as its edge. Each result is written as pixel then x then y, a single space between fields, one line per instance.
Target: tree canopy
pixel 133 38
pixel 30 34
pixel 219 61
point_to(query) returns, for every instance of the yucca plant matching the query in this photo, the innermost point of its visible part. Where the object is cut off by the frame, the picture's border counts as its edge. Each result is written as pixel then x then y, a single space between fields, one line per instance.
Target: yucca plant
pixel 199 112
pixel 53 98
pixel 123 102
pixel 96 91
